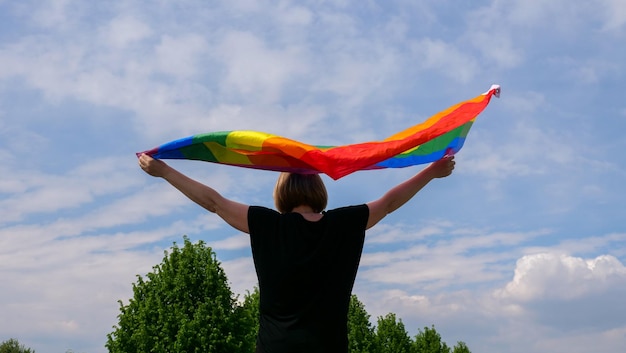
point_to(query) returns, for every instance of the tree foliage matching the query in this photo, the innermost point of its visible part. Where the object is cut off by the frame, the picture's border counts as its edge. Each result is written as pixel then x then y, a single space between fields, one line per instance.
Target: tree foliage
pixel 429 341
pixel 184 305
pixel 12 345
pixel 250 316
pixel 361 334
pixel 391 335
pixel 461 347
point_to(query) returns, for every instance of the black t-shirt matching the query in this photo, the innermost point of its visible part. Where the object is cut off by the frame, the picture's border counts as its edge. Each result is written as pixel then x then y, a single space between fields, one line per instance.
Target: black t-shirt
pixel 306 272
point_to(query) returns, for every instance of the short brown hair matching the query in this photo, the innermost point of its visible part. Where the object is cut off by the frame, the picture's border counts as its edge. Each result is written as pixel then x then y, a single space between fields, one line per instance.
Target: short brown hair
pixel 293 190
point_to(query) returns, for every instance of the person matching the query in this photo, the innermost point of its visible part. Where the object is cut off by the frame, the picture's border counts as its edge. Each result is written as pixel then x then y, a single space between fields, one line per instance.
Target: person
pixel 306 258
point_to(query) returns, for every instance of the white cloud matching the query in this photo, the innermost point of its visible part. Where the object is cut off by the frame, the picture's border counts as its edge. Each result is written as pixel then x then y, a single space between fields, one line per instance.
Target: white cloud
pixel 613 242
pixel 446 58
pixel 52 13
pixel 16 142
pixel 300 121
pixel 498 48
pixel 124 31
pixel 183 56
pixel 551 276
pixel 241 241
pixel 582 342
pixel 33 192
pixel 615 13
pixel 432 272
pixel 560 16
pixel 553 299
pixel 430 262
pixel 247 5
pixel 256 70
pixel 384 234
pixel 241 275
pixel 294 15
pixel 68 289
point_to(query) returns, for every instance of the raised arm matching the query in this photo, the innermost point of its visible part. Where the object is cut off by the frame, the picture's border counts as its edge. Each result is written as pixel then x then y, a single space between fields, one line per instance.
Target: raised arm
pixel 402 193
pixel 234 213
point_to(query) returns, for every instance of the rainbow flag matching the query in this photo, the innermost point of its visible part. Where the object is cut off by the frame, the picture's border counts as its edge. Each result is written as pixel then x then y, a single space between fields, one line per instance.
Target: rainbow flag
pixel 442 134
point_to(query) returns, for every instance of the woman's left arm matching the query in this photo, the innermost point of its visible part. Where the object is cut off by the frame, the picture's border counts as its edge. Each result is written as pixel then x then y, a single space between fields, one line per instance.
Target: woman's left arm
pixel 402 193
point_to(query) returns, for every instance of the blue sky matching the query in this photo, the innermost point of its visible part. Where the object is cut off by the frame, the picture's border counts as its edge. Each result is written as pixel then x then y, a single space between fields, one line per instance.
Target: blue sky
pixel 522 249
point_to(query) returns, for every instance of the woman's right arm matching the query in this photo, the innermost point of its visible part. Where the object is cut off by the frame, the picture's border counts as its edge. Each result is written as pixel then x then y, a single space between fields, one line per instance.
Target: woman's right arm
pixel 234 213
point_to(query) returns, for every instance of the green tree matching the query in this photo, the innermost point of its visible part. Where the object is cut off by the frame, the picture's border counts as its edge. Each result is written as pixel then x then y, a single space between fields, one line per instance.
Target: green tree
pixel 13 346
pixel 184 305
pixel 429 341
pixel 391 336
pixel 461 347
pixel 361 335
pixel 250 316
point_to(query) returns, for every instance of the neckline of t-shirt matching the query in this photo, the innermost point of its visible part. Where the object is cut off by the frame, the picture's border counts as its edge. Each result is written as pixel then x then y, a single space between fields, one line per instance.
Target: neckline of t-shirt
pixel 311 221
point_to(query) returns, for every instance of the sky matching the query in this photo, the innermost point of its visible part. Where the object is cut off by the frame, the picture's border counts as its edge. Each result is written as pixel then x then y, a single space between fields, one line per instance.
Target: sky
pixel 522 249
